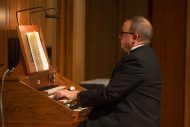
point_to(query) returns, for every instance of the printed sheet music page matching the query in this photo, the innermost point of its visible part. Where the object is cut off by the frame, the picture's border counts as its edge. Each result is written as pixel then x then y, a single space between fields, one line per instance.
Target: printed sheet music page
pixel 37 51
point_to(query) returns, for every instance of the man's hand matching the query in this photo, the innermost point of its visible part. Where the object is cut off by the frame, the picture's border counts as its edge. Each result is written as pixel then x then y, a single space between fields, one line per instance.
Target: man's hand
pixel 66 94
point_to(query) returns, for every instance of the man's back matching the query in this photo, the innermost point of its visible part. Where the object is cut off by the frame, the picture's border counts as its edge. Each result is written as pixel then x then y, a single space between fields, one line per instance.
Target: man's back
pixel 139 104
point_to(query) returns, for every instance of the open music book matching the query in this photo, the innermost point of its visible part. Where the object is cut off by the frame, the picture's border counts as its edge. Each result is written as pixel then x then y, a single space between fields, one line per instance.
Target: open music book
pixel 37 51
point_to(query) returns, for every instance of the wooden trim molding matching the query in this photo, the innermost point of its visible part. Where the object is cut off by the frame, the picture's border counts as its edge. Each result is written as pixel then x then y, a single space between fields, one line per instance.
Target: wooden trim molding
pixel 64 46
pixel 187 68
pixel 78 41
pixel 173 62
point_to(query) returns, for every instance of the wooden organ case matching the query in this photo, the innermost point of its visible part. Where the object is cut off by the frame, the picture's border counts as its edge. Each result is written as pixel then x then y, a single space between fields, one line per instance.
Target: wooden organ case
pixel 28 90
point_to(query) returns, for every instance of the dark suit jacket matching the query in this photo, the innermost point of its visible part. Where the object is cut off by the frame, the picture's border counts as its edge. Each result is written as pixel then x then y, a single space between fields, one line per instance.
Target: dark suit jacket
pixel 132 97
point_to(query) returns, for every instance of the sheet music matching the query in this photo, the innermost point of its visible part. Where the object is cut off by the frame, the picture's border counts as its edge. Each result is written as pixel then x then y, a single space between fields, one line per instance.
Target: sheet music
pixel 37 51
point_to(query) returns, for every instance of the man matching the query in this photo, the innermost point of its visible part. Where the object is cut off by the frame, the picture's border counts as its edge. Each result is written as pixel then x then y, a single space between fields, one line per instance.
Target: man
pixel 132 97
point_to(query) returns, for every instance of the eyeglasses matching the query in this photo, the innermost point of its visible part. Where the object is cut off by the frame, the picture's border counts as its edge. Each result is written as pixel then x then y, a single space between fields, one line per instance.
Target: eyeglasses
pixel 125 33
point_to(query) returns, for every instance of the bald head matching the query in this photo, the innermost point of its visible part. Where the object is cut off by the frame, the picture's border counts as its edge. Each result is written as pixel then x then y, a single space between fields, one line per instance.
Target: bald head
pixel 142 27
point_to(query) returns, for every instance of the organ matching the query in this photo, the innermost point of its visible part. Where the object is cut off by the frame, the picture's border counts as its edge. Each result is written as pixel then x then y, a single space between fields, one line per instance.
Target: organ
pixel 28 90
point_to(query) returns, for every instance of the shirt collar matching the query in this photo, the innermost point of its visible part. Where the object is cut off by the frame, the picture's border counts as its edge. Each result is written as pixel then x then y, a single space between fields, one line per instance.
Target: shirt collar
pixel 134 47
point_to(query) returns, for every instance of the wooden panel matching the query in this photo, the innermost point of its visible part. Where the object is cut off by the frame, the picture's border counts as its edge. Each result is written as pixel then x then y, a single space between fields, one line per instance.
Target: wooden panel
pixel 25 106
pixel 33 105
pixel 8 21
pixel 60 49
pixel 23 16
pixel 101 38
pixel 169 22
pixel 3 32
pixel 51 24
pixel 14 5
pixel 103 25
pixel 79 41
pixel 187 74
pixel 50 32
pixel 64 49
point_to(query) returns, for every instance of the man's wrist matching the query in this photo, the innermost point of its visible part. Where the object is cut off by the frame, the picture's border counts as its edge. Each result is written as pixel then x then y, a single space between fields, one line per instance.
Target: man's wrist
pixel 78 97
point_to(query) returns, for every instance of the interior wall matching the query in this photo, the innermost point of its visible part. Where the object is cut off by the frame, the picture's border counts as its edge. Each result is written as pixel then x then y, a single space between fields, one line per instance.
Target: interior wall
pixel 79 41
pixel 103 26
pixel 8 23
pixel 60 39
pixel 3 32
pixel 187 71
pixel 169 21
pixel 50 31
pixel 64 49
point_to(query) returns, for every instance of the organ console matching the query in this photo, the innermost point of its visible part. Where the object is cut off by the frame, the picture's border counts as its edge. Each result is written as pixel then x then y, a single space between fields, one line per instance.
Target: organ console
pixel 28 90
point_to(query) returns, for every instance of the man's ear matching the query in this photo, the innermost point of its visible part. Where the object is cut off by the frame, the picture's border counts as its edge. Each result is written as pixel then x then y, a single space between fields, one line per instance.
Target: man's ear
pixel 135 37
